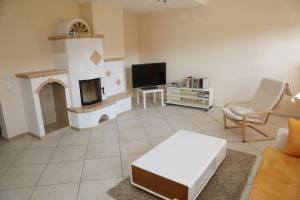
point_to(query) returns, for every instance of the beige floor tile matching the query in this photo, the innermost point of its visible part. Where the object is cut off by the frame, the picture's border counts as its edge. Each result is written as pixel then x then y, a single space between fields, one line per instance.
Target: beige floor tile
pixel 225 134
pixel 252 134
pixel 244 147
pixel 103 150
pixel 169 112
pixel 74 138
pixel 177 119
pixel 188 126
pixel 48 141
pixel 59 173
pixel 129 115
pixel 21 177
pixel 246 192
pixel 135 147
pixel 20 194
pixel 262 145
pixel 8 157
pixel 189 111
pixel 34 156
pixel 69 153
pixel 157 141
pixel 150 107
pixel 151 122
pixel 19 143
pixel 129 124
pixel 102 169
pixel 98 137
pixel 97 190
pixel 159 131
pixel 277 119
pixel 110 125
pixel 216 114
pixel 200 117
pixel 209 126
pixel 149 113
pixel 132 134
pixel 126 161
pixel 55 192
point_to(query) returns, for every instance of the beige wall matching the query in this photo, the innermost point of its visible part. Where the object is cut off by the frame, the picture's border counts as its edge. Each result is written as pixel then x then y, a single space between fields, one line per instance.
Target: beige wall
pixel 25 26
pixel 108 19
pixel 86 13
pixel 131 44
pixel 234 43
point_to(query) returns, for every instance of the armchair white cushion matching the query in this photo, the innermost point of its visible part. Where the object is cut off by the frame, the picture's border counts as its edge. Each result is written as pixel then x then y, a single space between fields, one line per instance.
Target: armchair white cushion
pixel 243 110
pixel 281 138
pixel 229 113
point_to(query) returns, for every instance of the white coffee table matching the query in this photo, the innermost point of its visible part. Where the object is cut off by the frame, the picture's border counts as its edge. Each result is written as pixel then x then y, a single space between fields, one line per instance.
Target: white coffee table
pixel 180 167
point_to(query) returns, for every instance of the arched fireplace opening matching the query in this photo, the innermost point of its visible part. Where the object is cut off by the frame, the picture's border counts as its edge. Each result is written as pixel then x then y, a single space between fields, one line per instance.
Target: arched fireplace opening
pixel 54 106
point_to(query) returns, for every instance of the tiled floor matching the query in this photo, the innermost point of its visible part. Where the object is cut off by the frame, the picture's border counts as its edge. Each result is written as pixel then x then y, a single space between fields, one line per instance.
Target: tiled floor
pixel 74 165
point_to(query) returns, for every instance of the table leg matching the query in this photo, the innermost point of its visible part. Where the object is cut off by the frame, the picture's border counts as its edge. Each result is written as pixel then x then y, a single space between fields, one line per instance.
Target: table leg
pixel 144 99
pixel 154 97
pixel 162 98
pixel 137 98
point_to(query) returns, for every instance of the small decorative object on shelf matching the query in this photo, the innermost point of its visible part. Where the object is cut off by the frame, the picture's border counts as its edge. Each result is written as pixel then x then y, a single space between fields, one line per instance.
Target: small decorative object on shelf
pixel 191 82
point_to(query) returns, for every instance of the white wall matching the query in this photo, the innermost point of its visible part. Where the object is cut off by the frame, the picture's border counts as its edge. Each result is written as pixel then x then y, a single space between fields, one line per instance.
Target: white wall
pixel 234 43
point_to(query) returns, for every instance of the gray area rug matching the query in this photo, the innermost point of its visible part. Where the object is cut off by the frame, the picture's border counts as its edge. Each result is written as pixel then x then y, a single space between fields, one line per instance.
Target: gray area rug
pixel 227 183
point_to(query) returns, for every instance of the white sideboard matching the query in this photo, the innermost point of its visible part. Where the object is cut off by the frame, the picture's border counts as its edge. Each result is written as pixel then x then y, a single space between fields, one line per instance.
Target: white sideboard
pixel 192 97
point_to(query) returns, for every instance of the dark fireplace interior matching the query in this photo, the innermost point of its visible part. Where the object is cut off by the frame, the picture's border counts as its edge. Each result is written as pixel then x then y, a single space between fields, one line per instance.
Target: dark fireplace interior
pixel 90 91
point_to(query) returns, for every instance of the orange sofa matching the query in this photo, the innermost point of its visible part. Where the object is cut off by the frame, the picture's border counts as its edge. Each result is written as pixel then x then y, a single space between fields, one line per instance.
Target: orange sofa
pixel 278 176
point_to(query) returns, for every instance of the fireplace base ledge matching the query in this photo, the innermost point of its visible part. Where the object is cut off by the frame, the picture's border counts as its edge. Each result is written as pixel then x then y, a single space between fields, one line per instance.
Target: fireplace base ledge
pixel 89 117
pixel 106 103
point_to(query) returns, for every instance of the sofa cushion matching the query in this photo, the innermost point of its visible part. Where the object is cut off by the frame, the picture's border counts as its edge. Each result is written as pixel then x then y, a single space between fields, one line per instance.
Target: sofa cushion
pixel 278 177
pixel 293 145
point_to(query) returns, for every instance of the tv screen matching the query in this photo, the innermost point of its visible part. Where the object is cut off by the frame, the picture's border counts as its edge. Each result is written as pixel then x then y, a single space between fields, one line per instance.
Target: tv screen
pixel 145 75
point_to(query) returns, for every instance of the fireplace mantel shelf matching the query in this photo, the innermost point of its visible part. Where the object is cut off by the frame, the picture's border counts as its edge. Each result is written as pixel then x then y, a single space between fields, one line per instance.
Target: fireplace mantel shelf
pixel 78 36
pixel 42 73
pixel 108 102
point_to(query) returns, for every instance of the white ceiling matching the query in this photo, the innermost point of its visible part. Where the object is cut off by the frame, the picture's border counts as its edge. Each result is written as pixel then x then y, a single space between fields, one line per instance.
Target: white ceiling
pixel 142 6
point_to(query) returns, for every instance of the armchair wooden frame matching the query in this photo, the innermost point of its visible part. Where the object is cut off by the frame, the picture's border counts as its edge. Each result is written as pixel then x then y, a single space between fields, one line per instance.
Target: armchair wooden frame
pixel 243 124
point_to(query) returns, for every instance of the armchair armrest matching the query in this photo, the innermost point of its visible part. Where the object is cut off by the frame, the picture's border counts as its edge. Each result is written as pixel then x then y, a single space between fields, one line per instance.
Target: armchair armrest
pixel 281 138
pixel 236 103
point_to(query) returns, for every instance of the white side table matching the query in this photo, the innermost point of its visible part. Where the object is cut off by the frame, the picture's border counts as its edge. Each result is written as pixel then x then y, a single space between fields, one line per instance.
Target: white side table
pixel 145 92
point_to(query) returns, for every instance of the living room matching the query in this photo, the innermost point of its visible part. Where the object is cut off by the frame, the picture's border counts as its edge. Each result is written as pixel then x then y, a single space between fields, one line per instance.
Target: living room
pixel 61 143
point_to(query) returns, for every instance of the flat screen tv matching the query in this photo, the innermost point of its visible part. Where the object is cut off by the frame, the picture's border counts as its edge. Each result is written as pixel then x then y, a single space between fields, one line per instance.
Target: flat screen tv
pixel 147 75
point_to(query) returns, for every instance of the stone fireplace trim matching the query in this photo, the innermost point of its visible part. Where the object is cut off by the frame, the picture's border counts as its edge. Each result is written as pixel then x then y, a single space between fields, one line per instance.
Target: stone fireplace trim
pixel 50 80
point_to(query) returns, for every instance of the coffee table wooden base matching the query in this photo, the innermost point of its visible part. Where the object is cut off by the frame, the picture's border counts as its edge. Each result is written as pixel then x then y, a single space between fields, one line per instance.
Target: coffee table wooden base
pixel 158 184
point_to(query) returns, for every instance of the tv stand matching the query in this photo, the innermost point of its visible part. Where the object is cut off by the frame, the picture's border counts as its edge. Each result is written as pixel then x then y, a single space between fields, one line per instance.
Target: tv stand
pixel 149 91
pixel 150 88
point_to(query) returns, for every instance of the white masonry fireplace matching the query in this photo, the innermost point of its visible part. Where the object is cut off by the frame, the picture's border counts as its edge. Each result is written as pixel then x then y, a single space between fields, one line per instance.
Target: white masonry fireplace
pixel 93 87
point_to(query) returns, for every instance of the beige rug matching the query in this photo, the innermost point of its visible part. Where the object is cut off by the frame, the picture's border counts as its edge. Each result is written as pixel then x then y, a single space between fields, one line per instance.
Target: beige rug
pixel 227 183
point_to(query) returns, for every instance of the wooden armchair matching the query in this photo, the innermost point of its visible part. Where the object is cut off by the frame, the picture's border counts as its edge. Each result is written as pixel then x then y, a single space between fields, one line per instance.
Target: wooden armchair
pixel 256 111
